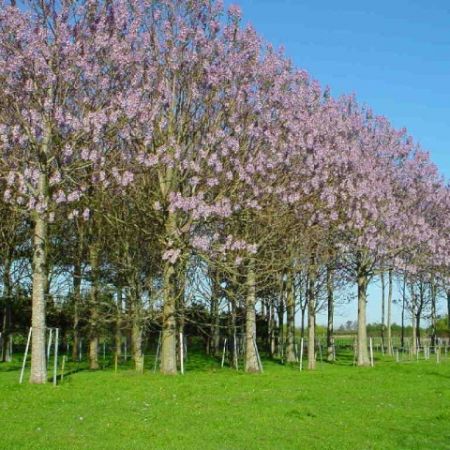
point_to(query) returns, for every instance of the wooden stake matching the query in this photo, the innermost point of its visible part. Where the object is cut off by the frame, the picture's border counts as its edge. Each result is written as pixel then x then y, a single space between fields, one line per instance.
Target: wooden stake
pixel 25 356
pixel 371 351
pixel 223 352
pixel 63 365
pixel 55 356
pixel 49 344
pixel 181 354
pixel 301 355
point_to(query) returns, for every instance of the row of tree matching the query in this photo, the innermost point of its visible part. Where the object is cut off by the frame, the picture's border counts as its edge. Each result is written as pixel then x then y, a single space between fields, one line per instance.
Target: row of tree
pixel 156 152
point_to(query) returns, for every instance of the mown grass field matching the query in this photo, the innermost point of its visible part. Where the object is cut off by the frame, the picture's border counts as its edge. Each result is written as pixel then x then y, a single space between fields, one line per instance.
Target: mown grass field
pixel 392 406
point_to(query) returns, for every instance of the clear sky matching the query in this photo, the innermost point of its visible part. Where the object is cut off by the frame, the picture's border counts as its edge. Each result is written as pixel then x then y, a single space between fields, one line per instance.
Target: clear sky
pixel 394 55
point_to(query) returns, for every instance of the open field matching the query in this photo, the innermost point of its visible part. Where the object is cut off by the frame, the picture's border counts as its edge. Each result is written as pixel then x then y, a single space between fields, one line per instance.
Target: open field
pixel 393 406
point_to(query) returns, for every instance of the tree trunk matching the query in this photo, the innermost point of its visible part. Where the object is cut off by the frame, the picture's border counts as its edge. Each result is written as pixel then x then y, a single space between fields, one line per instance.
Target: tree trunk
pixel 251 357
pixel 330 314
pixel 38 350
pixel 303 315
pixel 215 317
pixel 383 304
pixel 136 345
pixel 118 326
pixel 448 309
pixel 291 357
pixel 169 326
pixel 402 341
pixel 433 293
pixel 76 305
pixel 136 328
pixel 418 337
pixel 93 319
pixel 272 330
pixel 233 334
pixel 280 328
pixel 389 313
pixel 169 339
pixel 311 295
pixel 6 329
pixel 363 354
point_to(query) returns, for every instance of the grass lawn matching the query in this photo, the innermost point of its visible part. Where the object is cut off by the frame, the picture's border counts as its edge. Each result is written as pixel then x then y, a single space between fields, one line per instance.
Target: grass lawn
pixel 392 406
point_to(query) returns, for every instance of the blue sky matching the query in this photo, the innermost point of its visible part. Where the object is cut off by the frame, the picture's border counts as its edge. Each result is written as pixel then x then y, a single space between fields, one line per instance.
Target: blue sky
pixel 394 55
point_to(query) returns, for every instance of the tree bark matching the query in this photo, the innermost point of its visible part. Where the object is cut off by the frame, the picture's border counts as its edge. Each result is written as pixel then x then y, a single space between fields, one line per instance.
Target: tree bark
pixel 389 313
pixel 136 329
pixel 280 328
pixel 169 339
pixel 93 320
pixel 6 329
pixel 251 358
pixel 362 351
pixel 311 295
pixel 40 275
pixel 233 334
pixel 330 314
pixel 402 341
pixel 272 330
pixel 448 309
pixel 215 317
pixel 76 305
pixel 118 326
pixel 433 293
pixel 383 305
pixel 291 357
pixel 136 345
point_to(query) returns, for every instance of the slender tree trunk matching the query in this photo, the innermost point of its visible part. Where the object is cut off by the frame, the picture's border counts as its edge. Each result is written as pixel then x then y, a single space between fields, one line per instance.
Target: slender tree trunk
pixel 448 309
pixel 136 345
pixel 76 306
pixel 6 329
pixel 94 317
pixel 303 315
pixel 330 314
pixel 6 333
pixel 389 313
pixel 233 334
pixel 40 274
pixel 118 326
pixel 169 339
pixel 418 319
pixel 433 293
pixel 291 357
pixel 136 329
pixel 280 328
pixel 311 295
pixel 272 330
pixel 402 342
pixel 383 305
pixel 414 334
pixel 363 354
pixel 251 358
pixel 215 317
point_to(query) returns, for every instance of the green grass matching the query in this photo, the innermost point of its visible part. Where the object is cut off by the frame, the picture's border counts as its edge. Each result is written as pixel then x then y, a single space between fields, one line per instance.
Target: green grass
pixel 392 406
